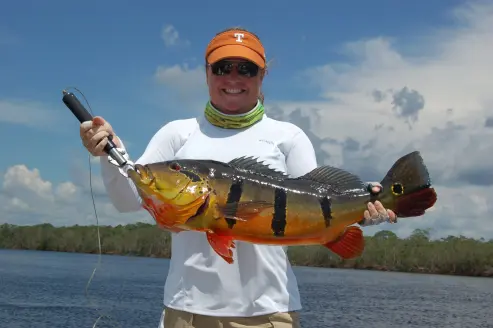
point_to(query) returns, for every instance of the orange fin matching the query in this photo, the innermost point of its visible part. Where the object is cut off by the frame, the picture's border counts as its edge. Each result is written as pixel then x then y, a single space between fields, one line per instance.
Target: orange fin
pixel 243 211
pixel 349 245
pixel 222 245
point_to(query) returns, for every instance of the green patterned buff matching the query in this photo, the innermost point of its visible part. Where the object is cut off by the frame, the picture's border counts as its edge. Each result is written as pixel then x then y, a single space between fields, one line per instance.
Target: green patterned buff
pixel 239 121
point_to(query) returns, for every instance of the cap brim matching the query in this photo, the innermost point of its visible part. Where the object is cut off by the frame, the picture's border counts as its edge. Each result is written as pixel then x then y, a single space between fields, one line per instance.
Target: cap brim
pixel 229 51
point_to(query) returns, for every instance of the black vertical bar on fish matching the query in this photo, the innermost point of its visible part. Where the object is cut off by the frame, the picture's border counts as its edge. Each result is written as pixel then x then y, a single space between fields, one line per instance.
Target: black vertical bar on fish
pixel 326 206
pixel 234 196
pixel 279 216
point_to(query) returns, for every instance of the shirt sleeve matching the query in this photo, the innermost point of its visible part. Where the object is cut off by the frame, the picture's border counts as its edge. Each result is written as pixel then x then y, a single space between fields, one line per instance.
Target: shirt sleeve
pixel 121 190
pixel 300 156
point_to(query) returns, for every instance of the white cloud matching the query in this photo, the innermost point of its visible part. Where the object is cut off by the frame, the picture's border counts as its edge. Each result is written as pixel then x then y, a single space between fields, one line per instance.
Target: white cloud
pixel 171 37
pixel 180 81
pixel 183 84
pixel 26 199
pixel 437 100
pixel 19 179
pixel 28 113
pixel 181 77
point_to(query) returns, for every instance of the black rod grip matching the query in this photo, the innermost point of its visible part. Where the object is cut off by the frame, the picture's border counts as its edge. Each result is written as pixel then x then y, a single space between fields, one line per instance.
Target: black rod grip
pixel 71 101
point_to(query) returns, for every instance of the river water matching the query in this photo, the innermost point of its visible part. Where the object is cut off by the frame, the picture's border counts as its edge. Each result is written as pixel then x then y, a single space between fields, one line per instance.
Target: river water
pixel 47 289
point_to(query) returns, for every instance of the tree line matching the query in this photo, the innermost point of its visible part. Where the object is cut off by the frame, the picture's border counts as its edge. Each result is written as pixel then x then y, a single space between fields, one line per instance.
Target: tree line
pixel 384 251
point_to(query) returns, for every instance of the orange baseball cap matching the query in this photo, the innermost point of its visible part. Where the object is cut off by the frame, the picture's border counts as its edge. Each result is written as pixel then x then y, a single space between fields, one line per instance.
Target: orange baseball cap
pixel 236 43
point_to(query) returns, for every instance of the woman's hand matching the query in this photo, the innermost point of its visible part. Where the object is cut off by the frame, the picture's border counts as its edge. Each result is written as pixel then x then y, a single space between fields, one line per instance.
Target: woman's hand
pixel 94 135
pixel 376 213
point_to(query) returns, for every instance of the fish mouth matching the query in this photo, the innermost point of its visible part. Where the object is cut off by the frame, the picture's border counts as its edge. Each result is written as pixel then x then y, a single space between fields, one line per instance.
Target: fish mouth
pixel 143 173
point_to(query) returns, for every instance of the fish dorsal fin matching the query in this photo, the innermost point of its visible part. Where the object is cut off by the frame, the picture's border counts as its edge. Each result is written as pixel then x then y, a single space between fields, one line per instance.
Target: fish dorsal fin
pixel 336 178
pixel 252 165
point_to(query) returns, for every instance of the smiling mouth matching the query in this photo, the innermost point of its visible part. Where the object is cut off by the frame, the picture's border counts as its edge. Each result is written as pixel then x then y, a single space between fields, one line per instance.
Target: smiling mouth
pixel 233 91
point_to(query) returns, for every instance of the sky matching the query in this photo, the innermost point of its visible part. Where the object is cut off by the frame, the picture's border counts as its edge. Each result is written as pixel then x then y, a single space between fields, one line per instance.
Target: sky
pixel 367 81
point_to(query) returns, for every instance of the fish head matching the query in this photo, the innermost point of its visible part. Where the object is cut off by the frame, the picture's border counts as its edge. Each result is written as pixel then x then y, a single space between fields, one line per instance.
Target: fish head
pixel 176 189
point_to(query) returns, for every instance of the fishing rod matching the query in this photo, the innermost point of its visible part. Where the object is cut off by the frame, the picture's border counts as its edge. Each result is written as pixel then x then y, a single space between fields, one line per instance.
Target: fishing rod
pixel 81 113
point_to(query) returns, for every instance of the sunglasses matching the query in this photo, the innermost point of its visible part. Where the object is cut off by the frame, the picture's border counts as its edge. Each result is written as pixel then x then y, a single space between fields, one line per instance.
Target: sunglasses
pixel 225 67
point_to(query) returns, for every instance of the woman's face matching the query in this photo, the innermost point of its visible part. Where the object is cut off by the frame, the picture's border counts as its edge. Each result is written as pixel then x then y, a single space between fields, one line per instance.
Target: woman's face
pixel 234 85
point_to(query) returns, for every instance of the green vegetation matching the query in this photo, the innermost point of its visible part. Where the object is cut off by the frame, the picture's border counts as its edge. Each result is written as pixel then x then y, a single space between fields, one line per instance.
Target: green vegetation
pixel 384 251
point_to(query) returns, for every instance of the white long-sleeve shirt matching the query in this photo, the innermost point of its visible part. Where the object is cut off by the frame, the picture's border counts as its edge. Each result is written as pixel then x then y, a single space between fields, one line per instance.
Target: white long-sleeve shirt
pixel 261 280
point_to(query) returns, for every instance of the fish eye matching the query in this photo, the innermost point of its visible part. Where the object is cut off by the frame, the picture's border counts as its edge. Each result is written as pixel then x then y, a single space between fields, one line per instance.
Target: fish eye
pixel 175 166
pixel 397 189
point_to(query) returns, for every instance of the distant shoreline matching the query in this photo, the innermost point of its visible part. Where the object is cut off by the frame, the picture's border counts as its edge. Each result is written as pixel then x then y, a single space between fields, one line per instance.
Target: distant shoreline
pixel 455 256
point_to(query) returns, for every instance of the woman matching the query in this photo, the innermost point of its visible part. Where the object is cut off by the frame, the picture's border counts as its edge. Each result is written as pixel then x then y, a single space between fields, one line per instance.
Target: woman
pixel 202 290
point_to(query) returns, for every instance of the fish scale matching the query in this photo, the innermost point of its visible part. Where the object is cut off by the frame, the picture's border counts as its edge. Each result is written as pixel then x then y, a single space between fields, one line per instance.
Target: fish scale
pixel 246 200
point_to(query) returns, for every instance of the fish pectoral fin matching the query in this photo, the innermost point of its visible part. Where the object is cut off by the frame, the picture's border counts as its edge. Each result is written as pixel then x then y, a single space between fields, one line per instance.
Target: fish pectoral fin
pixel 243 211
pixel 222 245
pixel 349 245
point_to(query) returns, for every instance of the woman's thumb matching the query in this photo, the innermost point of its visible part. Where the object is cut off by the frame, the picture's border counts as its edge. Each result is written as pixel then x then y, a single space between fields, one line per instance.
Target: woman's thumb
pixel 98 120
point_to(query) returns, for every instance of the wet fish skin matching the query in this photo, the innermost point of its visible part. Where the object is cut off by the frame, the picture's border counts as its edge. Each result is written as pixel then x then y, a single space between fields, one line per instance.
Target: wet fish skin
pixel 245 200
pixel 171 197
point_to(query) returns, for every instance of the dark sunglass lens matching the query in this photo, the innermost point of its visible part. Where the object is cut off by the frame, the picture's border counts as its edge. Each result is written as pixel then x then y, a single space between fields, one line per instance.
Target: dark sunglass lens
pixel 245 68
pixel 248 69
pixel 221 68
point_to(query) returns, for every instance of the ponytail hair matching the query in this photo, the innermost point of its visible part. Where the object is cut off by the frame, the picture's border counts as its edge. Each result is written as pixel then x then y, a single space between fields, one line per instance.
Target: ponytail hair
pixel 261 97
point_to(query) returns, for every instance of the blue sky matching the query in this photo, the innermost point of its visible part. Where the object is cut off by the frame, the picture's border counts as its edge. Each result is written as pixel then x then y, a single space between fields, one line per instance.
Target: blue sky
pixel 114 51
pixel 111 53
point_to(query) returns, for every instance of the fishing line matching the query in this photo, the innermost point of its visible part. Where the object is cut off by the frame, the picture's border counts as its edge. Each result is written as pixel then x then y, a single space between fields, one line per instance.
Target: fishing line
pixel 98 264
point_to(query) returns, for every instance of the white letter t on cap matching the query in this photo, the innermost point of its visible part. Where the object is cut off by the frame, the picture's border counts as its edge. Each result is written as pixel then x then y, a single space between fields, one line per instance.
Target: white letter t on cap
pixel 239 37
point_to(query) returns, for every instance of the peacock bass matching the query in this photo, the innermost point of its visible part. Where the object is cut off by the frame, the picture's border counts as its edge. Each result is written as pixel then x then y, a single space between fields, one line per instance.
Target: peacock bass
pixel 245 200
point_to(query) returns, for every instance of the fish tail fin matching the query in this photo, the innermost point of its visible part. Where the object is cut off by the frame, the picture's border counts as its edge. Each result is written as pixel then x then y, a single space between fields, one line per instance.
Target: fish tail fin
pixel 408 185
